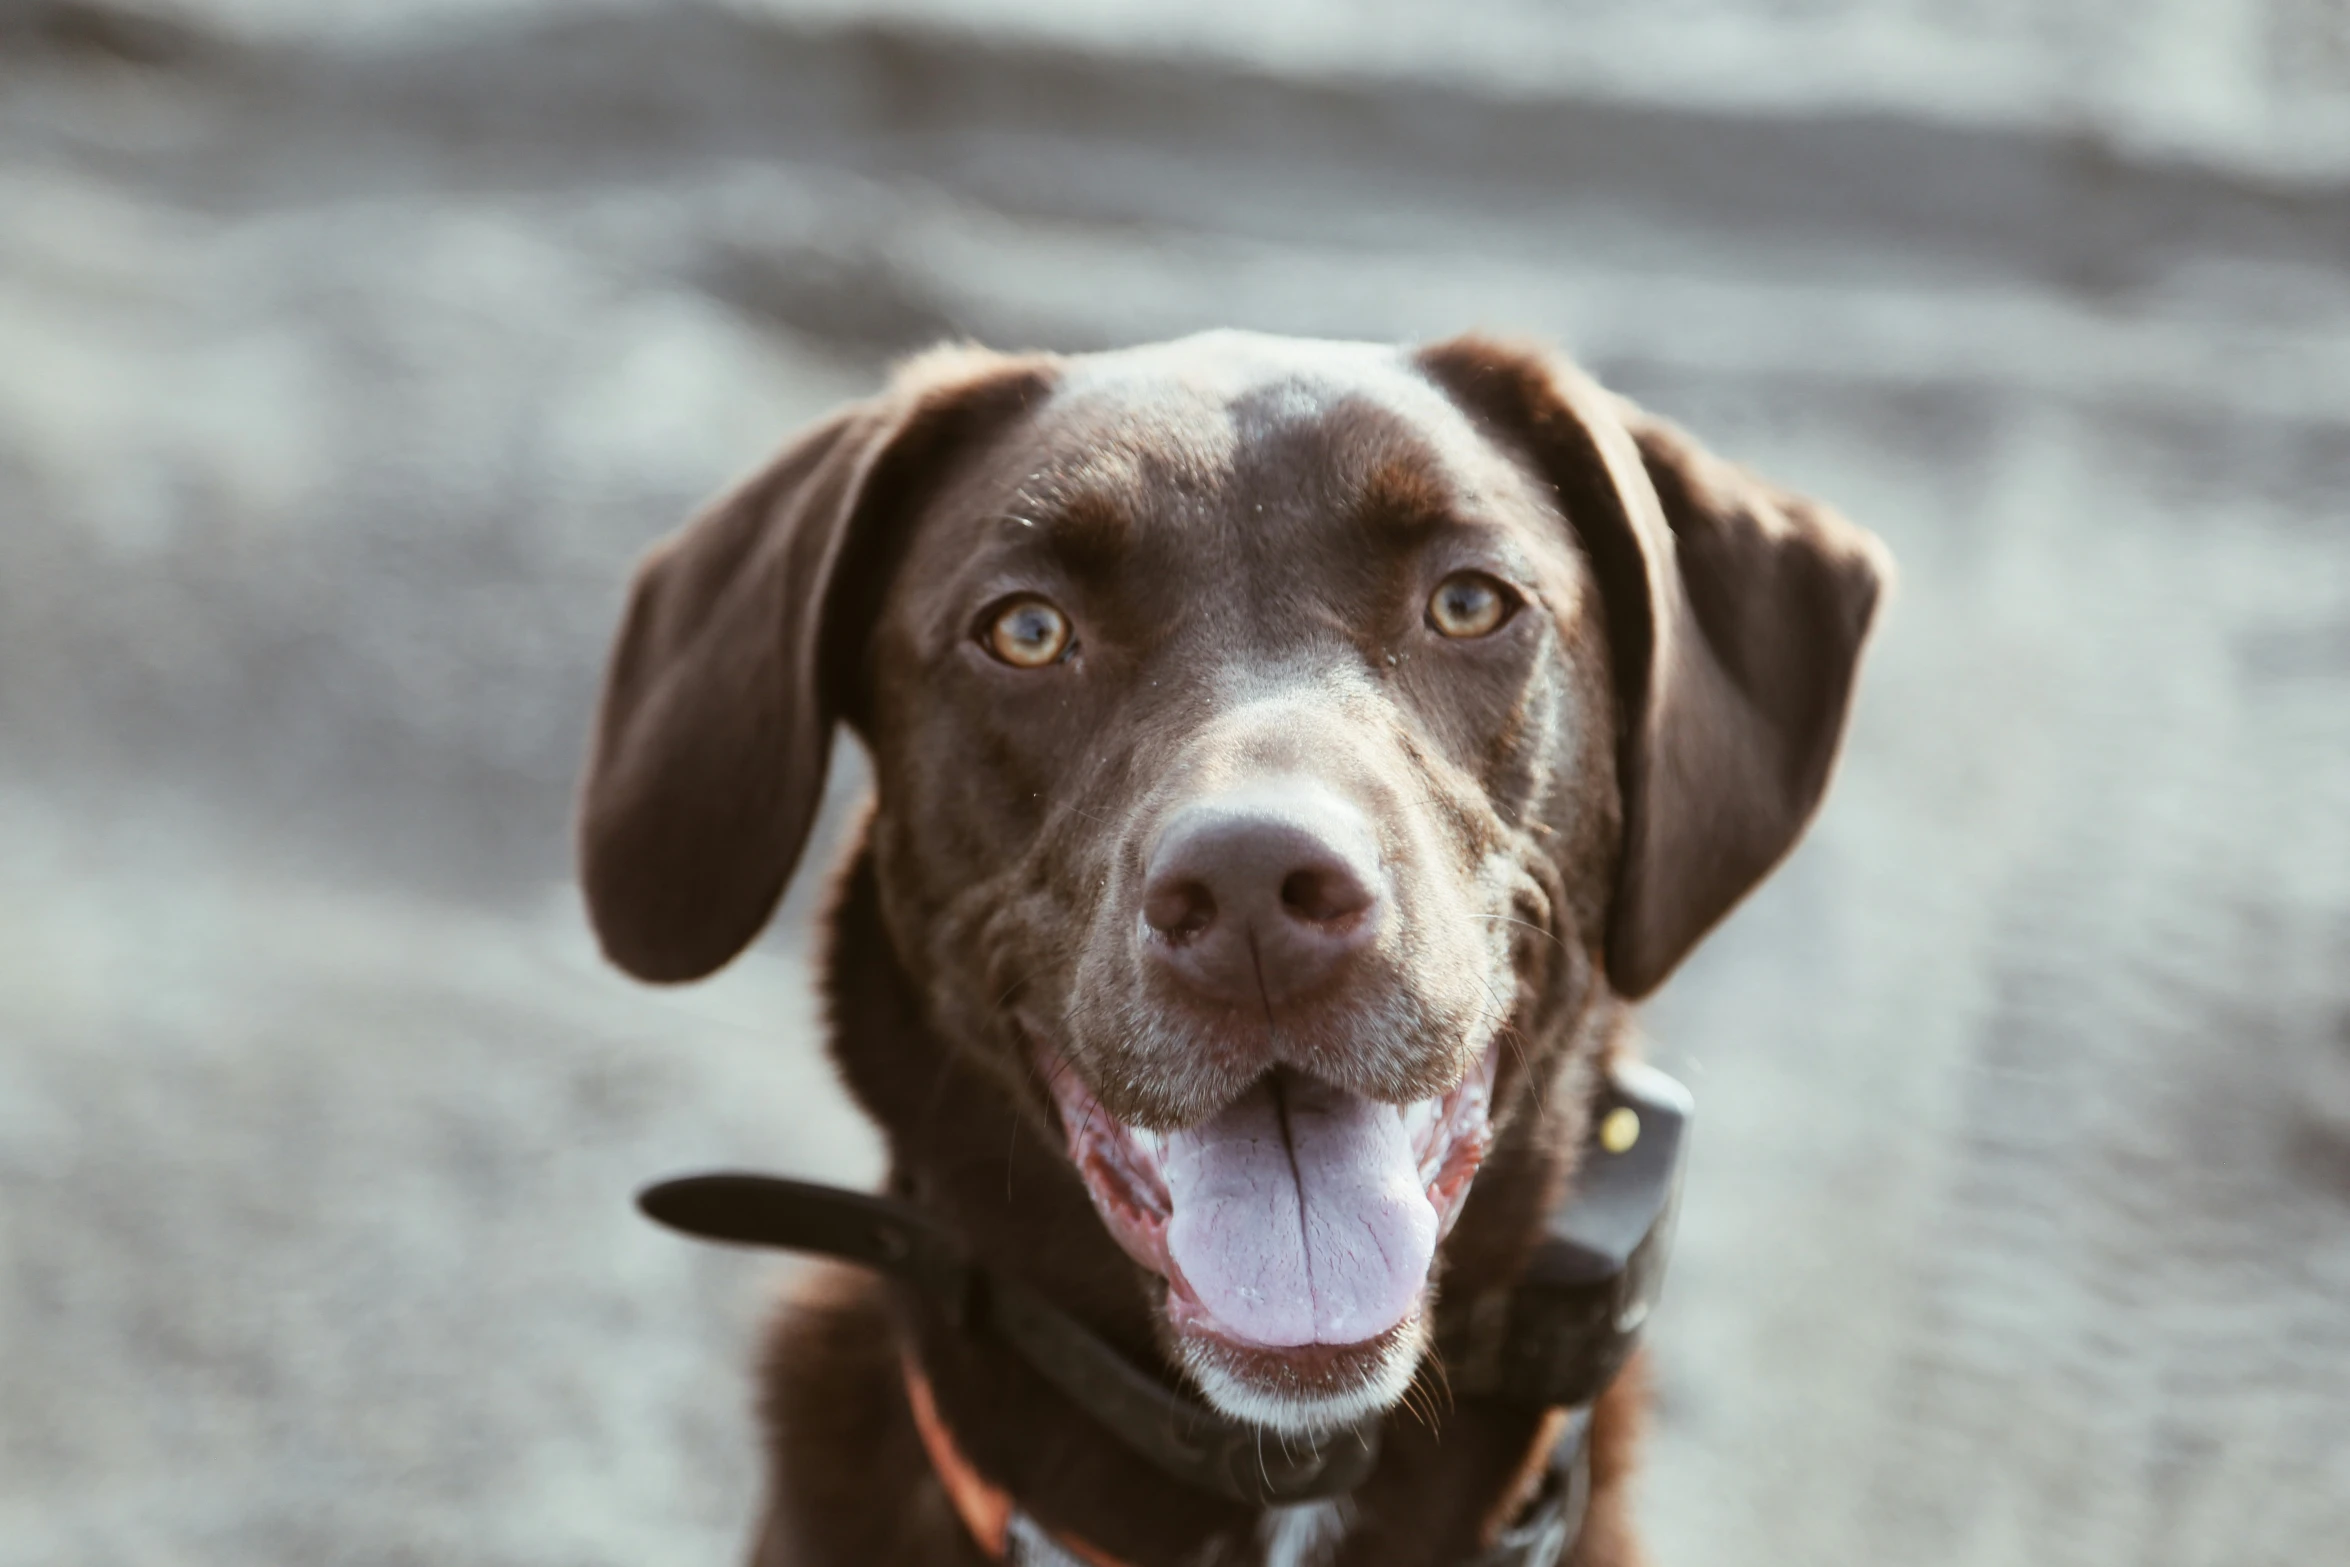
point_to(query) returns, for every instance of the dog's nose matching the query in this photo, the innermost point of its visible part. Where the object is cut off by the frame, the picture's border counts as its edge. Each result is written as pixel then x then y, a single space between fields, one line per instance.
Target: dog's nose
pixel 1259 897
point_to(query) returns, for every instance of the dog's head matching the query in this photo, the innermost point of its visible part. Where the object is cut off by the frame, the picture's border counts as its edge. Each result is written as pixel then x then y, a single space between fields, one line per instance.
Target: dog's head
pixel 1276 743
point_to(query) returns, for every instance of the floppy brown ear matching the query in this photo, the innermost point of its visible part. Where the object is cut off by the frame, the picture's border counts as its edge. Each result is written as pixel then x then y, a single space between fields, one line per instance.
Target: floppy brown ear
pixel 736 657
pixel 1737 613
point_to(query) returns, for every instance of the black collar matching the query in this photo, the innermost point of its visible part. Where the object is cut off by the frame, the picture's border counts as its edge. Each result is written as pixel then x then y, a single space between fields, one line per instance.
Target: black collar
pixel 1556 1337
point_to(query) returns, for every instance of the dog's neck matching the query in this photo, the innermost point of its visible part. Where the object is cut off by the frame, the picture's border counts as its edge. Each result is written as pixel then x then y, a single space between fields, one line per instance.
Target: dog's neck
pixel 961 1148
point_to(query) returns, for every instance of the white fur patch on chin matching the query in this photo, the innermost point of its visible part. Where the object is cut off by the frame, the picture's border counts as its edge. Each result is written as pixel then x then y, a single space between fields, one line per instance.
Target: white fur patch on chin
pixel 1305 1415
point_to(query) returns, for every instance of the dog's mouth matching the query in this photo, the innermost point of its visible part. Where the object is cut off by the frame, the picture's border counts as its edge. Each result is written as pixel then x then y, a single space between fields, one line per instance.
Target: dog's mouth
pixel 1296 1228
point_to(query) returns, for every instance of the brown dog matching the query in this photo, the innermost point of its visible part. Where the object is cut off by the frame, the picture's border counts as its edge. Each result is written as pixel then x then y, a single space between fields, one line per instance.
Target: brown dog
pixel 1291 758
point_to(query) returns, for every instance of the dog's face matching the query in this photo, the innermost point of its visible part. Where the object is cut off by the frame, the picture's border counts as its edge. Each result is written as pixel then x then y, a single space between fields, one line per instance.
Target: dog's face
pixel 1275 743
pixel 1246 753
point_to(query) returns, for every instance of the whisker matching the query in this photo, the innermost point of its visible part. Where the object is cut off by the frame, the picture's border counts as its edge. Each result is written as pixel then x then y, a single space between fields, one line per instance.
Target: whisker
pixel 1516 1041
pixel 1443 1374
pixel 1511 919
pixel 1508 1030
pixel 1428 1400
pixel 1417 1404
pixel 1053 1073
pixel 1046 967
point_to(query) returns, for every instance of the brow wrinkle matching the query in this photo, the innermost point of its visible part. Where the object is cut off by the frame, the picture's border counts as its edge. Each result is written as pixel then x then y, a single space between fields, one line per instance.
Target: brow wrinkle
pixel 1088 531
pixel 1402 496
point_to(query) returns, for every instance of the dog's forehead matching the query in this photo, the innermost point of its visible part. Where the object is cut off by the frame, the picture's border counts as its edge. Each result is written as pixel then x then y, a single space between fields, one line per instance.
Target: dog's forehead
pixel 1228 368
pixel 1225 412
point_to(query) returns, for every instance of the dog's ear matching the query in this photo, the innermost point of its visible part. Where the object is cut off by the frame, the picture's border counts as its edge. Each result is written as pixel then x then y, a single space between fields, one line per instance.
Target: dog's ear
pixel 741 648
pixel 1736 617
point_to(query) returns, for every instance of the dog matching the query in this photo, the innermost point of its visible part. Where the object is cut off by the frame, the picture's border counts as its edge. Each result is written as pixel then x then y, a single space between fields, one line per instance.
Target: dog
pixel 1291 762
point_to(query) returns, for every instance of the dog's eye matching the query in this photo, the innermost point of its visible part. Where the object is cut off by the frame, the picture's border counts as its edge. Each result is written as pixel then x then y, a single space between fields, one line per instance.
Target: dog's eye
pixel 1026 633
pixel 1469 604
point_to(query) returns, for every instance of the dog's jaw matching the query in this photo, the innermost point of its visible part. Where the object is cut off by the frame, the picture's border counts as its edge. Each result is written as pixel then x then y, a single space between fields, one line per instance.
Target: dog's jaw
pixel 1297 1366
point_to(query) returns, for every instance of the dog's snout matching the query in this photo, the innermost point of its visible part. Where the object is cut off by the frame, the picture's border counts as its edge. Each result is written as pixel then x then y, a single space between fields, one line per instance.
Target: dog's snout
pixel 1259 897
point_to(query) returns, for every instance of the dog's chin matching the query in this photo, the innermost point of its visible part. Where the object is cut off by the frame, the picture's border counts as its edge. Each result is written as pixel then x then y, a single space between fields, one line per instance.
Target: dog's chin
pixel 1307 1391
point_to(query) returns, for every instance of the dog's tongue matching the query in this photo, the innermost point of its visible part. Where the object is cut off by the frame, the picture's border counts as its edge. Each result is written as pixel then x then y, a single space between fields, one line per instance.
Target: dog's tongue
pixel 1298 1216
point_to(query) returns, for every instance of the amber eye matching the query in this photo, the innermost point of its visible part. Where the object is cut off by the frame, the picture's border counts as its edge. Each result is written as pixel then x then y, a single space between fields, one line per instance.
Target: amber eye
pixel 1026 633
pixel 1469 604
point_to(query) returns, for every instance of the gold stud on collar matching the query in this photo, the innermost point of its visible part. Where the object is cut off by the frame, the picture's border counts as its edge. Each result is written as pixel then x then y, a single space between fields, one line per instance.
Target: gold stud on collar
pixel 1619 1129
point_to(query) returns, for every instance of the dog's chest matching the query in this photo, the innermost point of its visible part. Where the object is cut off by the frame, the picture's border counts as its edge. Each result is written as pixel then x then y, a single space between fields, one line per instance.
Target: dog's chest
pixel 1303 1535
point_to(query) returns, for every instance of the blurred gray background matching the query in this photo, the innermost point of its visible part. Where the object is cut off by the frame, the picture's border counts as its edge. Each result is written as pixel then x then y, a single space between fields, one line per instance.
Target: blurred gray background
pixel 350 351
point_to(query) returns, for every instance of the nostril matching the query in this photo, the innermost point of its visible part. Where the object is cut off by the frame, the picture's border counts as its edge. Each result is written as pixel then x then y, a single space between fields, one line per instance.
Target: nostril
pixel 1324 895
pixel 1179 910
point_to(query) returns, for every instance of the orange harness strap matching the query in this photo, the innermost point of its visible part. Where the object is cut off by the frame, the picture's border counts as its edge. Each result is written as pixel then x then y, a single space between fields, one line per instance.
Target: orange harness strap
pixel 987 1509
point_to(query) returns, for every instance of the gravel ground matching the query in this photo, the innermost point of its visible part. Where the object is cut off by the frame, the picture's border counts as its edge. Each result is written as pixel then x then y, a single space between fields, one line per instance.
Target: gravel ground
pixel 343 369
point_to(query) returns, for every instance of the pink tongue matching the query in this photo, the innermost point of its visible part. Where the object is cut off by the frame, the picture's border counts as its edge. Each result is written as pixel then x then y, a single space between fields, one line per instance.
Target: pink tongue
pixel 1320 1237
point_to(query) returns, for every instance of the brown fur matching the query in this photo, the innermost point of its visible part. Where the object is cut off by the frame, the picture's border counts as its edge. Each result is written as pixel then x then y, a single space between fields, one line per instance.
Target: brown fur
pixel 1244 530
